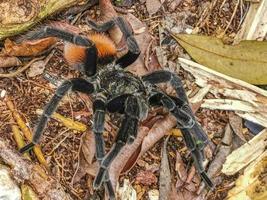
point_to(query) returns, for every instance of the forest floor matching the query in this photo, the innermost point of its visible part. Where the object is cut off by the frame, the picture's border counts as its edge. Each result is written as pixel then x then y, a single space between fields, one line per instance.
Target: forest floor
pixel 62 146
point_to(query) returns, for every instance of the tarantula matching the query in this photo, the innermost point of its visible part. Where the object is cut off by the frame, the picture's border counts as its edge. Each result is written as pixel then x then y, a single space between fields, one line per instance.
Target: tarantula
pixel 116 90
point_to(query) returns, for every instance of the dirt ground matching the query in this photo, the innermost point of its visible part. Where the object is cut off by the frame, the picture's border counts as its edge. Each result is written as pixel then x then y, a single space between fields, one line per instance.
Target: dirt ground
pixel 61 145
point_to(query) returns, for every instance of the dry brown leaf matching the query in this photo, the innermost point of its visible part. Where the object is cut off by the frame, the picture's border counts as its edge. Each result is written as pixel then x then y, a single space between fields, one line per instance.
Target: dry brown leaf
pixel 28 48
pixel 9 61
pixel 88 146
pixel 180 168
pixel 152 6
pixel 146 178
pixel 159 129
pixel 237 126
pixel 36 68
pixel 119 163
pixel 228 136
pixel 165 177
pixel 85 156
pixel 183 195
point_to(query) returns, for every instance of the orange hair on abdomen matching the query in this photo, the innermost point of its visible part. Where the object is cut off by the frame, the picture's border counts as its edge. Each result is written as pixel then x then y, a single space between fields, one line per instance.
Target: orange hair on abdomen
pixel 76 54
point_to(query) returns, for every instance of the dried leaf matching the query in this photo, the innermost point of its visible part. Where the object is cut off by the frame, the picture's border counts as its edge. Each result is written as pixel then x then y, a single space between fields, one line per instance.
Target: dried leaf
pixel 143 39
pixel 126 192
pixel 180 167
pixel 28 193
pixel 157 132
pixel 249 151
pixel 228 136
pixel 28 48
pixel 173 5
pixel 235 61
pixel 146 178
pixel 86 156
pixel 88 146
pixel 183 194
pixel 164 174
pixel 237 126
pixel 7 61
pixel 152 6
pixel 218 161
pixel 37 68
pixel 162 58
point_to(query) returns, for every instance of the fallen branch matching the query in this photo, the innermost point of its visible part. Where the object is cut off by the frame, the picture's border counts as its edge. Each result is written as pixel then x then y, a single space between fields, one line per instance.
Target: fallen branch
pixel 246 100
pixel 249 151
pixel 69 123
pixel 39 11
pixel 22 170
pixel 20 70
pixel 27 133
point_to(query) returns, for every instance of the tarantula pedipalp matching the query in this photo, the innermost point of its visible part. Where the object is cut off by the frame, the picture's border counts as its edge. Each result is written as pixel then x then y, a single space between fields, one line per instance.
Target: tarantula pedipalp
pixel 116 90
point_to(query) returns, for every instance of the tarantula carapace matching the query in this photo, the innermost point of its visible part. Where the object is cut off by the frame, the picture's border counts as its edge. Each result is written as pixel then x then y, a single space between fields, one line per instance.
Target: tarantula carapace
pixel 117 90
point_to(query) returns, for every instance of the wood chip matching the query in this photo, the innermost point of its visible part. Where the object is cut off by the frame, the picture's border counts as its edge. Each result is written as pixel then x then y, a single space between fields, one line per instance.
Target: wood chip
pixel 245 154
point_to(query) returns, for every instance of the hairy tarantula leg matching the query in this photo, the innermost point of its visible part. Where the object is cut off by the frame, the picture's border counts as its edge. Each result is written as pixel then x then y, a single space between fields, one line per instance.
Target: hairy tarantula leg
pixel 133 48
pixel 197 156
pixel 89 67
pixel 184 119
pixel 186 122
pixel 49 31
pixel 166 76
pixel 76 84
pixel 99 108
pixel 127 131
pixel 100 27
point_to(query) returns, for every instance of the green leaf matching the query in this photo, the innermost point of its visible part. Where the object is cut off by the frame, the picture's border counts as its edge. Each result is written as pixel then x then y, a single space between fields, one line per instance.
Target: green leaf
pixel 246 61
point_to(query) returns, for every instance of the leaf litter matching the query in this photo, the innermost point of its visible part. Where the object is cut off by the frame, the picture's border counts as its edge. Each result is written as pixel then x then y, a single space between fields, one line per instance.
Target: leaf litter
pixel 73 155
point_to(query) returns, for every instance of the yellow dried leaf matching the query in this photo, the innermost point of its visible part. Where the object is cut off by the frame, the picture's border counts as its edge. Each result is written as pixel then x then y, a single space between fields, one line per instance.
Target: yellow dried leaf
pixel 246 61
pixel 28 193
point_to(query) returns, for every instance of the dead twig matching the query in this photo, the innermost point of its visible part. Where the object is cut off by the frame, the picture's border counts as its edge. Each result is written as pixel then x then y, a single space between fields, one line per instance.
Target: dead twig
pixel 232 17
pixel 69 123
pixel 26 131
pixel 22 69
pixel 22 170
